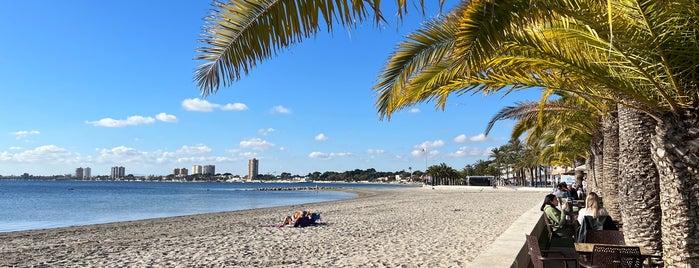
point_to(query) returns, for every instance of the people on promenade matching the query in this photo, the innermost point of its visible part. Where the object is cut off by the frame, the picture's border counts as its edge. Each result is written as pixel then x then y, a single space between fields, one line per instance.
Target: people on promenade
pixel 592 208
pixel 559 224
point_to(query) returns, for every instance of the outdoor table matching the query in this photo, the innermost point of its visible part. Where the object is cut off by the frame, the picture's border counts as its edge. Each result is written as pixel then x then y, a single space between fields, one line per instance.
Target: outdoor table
pixel 586 250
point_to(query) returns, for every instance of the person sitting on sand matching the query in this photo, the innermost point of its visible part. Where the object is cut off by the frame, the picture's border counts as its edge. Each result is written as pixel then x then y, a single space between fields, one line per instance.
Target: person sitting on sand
pixel 290 220
pixel 304 220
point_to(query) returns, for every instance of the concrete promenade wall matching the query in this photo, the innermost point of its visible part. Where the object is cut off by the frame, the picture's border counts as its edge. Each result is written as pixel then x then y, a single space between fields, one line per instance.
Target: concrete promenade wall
pixel 509 249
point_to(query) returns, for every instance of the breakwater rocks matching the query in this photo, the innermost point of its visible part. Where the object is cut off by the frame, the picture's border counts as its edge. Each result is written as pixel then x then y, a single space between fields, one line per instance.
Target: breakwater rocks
pixel 308 188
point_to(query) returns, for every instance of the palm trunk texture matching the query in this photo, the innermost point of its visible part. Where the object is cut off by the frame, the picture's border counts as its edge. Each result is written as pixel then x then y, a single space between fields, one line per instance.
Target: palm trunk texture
pixel 610 187
pixel 676 154
pixel 596 160
pixel 639 187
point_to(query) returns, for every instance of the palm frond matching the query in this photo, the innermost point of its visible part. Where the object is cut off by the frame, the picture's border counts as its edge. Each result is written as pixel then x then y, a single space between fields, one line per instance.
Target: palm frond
pixel 241 33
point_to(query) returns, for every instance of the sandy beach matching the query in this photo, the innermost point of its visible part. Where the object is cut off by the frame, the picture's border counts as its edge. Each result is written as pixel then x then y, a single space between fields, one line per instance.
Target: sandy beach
pixel 407 227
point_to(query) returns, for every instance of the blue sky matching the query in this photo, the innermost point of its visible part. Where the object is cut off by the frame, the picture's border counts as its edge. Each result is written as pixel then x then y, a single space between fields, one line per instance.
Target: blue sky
pixel 110 83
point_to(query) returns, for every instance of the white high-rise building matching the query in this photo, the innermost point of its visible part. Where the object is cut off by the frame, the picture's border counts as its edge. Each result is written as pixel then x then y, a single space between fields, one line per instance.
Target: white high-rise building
pixel 118 172
pixel 87 173
pixel 196 169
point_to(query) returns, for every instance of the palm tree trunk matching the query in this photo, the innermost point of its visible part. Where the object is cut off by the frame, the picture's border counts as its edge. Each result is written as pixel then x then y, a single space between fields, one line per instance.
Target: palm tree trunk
pixel 675 152
pixel 596 162
pixel 610 190
pixel 639 187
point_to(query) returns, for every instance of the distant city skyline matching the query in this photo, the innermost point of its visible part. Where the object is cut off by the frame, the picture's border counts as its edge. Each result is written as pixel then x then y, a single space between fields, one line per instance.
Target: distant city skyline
pixel 108 91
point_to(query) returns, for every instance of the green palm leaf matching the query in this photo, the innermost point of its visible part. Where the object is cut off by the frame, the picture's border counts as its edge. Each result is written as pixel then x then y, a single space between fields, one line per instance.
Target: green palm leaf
pixel 241 33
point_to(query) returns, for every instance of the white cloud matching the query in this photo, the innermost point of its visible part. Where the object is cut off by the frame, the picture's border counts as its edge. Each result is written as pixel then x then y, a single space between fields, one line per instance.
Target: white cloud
pixel 15 148
pixel 130 121
pixel 321 137
pixel 235 107
pixel 280 110
pixel 375 151
pixel 427 148
pixel 121 154
pixel 430 144
pixel 469 151
pixel 166 118
pixel 256 144
pixel 41 154
pixel 320 155
pixel 24 133
pixel 479 137
pixel 196 149
pixel 199 105
pixel 414 110
pixel 461 138
pixel 265 132
pixel 186 155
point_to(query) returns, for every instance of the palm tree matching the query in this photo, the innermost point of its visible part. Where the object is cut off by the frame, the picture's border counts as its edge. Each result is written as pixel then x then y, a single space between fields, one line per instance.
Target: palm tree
pixel 556 131
pixel 443 174
pixel 643 55
pixel 498 155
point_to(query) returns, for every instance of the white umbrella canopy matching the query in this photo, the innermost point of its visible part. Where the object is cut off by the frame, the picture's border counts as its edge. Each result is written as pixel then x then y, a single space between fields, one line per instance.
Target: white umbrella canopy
pixel 581 168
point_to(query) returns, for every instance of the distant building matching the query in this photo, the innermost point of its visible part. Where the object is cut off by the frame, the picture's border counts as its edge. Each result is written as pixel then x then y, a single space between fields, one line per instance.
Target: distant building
pixel 196 169
pixel 253 168
pixel 87 173
pixel 118 172
pixel 180 172
pixel 79 173
pixel 209 170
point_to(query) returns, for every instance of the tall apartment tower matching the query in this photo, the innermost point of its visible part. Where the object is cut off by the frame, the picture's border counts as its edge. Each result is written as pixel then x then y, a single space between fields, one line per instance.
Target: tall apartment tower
pixel 253 165
pixel 180 172
pixel 209 170
pixel 87 173
pixel 118 172
pixel 196 169
pixel 79 173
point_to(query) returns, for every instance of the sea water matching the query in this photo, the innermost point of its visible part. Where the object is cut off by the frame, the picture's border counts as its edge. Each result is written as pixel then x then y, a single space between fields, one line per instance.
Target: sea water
pixel 28 205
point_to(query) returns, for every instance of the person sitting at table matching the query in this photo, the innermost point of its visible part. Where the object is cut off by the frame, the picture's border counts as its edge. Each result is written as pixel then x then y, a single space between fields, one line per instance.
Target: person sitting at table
pixel 557 217
pixel 561 190
pixel 573 192
pixel 592 208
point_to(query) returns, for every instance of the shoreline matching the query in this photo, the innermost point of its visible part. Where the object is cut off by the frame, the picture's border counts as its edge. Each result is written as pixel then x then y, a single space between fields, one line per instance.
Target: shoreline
pixel 408 227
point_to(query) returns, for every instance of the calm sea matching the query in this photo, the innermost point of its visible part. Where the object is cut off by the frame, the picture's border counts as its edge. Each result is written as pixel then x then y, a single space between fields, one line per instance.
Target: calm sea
pixel 28 205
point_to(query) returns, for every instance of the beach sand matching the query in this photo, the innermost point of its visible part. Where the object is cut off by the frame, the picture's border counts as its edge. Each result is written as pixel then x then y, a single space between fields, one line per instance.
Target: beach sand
pixel 405 227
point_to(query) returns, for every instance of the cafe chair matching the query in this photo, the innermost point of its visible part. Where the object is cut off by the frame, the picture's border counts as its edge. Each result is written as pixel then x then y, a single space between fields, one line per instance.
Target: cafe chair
pixel 552 235
pixel 605 237
pixel 590 223
pixel 614 257
pixel 538 260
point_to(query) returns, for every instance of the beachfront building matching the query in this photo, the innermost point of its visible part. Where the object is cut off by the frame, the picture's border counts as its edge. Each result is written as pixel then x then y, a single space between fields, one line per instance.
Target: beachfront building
pixel 253 168
pixel 209 170
pixel 83 173
pixel 117 173
pixel 180 172
pixel 79 173
pixel 196 169
pixel 87 173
